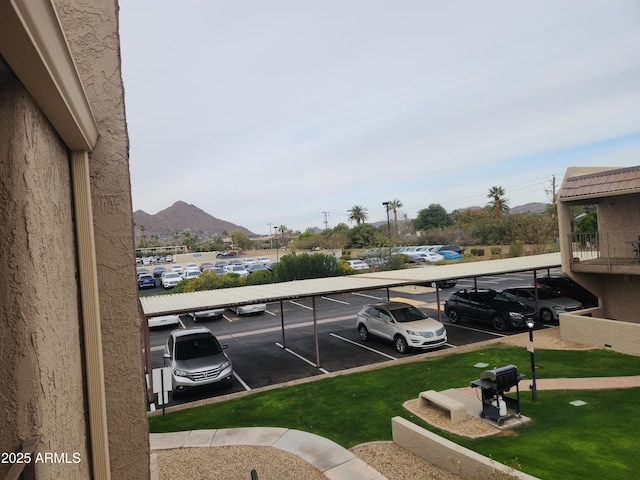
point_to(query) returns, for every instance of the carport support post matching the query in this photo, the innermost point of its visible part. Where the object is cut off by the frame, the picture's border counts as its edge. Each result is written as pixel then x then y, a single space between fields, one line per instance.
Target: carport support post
pixel 388 295
pixel 315 330
pixel 284 342
pixel 438 302
pixel 147 354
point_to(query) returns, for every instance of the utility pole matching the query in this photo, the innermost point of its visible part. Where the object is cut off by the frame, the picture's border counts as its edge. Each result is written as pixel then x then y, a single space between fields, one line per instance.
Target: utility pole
pixel 326 220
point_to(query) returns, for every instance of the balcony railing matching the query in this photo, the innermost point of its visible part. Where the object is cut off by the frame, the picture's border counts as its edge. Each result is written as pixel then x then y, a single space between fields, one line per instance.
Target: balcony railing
pixel 617 251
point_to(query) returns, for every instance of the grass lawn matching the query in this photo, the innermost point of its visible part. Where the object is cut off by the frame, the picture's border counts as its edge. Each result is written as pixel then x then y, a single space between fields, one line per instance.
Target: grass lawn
pixel 596 440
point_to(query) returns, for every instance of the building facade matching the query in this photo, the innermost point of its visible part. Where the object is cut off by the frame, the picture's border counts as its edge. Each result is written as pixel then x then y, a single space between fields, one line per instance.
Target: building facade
pixel 71 372
pixel 605 262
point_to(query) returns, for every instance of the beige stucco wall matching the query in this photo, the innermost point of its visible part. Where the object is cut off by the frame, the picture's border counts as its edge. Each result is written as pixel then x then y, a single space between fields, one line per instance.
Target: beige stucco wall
pixel 41 389
pixel 623 337
pixel 91 29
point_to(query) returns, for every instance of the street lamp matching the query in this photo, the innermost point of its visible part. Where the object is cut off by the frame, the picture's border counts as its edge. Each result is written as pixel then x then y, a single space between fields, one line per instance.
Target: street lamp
pixel 386 204
pixel 276 242
pixel 534 392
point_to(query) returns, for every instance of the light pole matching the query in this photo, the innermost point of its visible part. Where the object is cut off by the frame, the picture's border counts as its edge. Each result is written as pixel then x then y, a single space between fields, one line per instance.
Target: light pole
pixel 534 391
pixel 276 242
pixel 386 204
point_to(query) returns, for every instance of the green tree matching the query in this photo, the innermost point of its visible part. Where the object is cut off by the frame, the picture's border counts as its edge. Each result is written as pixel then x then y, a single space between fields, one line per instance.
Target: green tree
pixel 302 266
pixel 240 240
pixel 500 205
pixel 395 205
pixel 365 235
pixel 588 223
pixel 434 216
pixel 357 214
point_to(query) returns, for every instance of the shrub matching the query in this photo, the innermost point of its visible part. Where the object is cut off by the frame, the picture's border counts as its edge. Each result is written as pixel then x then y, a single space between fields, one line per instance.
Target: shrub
pixel 477 252
pixel 516 248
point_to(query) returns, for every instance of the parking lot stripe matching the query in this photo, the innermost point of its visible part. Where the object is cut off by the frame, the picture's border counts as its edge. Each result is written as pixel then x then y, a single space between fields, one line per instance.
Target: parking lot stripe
pixel 476 330
pixel 368 296
pixel 363 346
pixel 300 305
pixel 301 357
pixel 334 300
pixel 246 387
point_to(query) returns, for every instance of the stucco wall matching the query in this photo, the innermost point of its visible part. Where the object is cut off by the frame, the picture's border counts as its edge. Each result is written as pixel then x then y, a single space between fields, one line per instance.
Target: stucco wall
pixel 41 389
pixel 623 337
pixel 91 28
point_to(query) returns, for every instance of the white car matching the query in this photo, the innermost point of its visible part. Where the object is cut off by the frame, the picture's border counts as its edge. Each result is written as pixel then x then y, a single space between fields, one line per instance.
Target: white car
pixel 163 321
pixel 429 256
pixel 358 264
pixel 249 261
pixel 250 309
pixel 177 269
pixel 192 266
pixel 263 260
pixel 171 279
pixel 403 324
pixel 189 274
pixel 214 313
pixel 238 269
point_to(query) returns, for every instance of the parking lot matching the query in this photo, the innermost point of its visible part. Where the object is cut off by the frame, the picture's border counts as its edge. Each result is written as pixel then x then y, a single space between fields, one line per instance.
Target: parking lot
pixel 262 356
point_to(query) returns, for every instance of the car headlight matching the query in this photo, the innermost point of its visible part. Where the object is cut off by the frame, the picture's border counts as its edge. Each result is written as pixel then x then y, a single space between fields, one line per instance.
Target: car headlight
pixel 516 315
pixel 180 373
pixel 411 332
pixel 559 308
pixel 225 365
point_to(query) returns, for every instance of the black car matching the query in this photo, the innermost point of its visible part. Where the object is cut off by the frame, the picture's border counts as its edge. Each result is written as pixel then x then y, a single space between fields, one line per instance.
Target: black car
pixel 488 306
pixel 565 287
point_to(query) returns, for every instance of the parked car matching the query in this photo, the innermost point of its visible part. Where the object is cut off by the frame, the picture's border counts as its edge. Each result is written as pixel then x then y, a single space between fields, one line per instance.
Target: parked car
pixel 450 283
pixel 427 256
pixel 237 269
pixel 158 271
pixel 213 313
pixel 255 267
pixel 217 270
pixel 221 263
pixel 566 287
pixel 248 261
pixel 250 309
pixel 163 321
pixel 357 264
pixel 230 253
pixel 451 248
pixel 146 280
pixel 191 266
pixel 171 279
pixel 488 306
pixel 403 324
pixel 550 303
pixel 189 274
pixel 263 260
pixel 141 270
pixel 205 265
pixel 196 359
pixel 449 254
pixel 177 269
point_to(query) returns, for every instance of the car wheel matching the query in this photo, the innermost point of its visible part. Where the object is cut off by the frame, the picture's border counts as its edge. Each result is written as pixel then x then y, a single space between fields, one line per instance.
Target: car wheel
pixel 546 316
pixel 453 316
pixel 401 344
pixel 364 333
pixel 499 324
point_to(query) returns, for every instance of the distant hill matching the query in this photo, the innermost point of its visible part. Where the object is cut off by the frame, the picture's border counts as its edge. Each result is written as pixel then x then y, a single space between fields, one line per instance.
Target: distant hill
pixel 178 218
pixel 535 207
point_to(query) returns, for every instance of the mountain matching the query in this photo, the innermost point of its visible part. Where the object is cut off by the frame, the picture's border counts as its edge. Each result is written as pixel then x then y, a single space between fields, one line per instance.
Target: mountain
pixel 178 218
pixel 535 207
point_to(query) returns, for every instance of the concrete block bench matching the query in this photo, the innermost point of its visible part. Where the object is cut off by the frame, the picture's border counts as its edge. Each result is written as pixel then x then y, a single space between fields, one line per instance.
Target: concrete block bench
pixel 457 410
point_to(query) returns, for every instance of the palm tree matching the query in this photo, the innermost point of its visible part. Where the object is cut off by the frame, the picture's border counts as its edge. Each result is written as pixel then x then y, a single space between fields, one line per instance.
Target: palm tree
pixel 357 214
pixel 500 204
pixel 283 231
pixel 395 205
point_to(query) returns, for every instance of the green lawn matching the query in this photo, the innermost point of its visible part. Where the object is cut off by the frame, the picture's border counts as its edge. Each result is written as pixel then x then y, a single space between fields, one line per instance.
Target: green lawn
pixel 593 441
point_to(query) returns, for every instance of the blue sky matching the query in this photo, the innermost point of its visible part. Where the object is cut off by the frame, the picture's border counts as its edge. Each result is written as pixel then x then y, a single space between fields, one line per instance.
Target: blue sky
pixel 276 111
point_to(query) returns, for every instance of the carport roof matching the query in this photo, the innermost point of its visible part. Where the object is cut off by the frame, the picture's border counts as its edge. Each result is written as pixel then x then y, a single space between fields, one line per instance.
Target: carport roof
pixel 188 302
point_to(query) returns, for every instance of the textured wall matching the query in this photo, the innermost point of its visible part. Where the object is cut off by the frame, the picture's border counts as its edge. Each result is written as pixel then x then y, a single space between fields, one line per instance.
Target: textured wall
pixel 91 28
pixel 41 390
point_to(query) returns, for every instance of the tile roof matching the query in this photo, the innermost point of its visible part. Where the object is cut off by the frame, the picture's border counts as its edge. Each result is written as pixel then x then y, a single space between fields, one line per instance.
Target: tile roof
pixel 602 184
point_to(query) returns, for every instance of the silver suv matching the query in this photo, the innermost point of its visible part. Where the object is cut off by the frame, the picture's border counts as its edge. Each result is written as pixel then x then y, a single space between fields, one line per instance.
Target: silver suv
pixel 196 358
pixel 401 323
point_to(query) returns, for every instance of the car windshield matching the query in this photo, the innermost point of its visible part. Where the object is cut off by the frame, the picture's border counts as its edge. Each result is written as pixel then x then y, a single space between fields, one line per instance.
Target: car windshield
pixel 196 346
pixel 501 297
pixel 408 314
pixel 172 275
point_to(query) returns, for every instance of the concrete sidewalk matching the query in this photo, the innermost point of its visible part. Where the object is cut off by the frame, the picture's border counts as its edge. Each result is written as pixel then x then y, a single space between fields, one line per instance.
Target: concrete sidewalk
pixel 334 461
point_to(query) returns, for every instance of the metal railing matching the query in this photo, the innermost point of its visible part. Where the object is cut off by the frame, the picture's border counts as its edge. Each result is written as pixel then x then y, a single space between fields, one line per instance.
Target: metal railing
pixel 617 246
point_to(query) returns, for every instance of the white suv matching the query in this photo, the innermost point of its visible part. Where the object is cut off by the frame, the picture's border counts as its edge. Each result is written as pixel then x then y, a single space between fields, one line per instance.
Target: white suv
pixel 401 323
pixel 196 358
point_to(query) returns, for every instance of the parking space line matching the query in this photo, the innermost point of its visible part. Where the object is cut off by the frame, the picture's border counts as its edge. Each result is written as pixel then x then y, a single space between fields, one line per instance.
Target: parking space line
pixel 368 296
pixel 362 346
pixel 270 313
pixel 334 300
pixel 300 305
pixel 410 301
pixel 300 357
pixel 227 318
pixel 246 387
pixel 476 330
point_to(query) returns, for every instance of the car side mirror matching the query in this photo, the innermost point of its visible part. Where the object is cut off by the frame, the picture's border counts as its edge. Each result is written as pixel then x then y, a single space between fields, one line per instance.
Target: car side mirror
pixel 225 346
pixel 167 355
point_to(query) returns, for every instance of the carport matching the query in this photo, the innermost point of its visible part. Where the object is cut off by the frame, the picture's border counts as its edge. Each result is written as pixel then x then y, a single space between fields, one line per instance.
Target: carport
pixel 312 288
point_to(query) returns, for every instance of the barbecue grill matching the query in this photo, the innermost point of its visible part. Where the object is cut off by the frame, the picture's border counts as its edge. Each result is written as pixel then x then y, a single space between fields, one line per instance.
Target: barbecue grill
pixel 494 384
